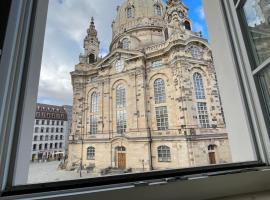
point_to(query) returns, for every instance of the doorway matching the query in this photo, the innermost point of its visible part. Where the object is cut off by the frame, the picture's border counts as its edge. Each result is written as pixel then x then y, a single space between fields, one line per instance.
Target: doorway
pixel 121 157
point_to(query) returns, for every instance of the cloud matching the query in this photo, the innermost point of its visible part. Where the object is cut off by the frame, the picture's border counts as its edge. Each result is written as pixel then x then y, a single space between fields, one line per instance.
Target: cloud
pixel 66 28
pixel 200 12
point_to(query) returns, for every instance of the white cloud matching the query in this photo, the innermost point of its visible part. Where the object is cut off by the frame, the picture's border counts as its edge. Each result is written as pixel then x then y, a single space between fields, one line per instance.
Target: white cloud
pixel 66 28
pixel 200 12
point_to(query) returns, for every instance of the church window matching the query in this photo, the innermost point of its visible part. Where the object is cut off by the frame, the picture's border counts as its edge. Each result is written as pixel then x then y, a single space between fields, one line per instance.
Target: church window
pixel 91 58
pixel 94 102
pixel 121 121
pixel 157 63
pixel 120 96
pixel 203 115
pixel 91 153
pixel 93 125
pixel 158 10
pixel 164 154
pixel 195 52
pixel 130 12
pixel 159 91
pixel 187 25
pixel 162 118
pixel 125 44
pixel 198 85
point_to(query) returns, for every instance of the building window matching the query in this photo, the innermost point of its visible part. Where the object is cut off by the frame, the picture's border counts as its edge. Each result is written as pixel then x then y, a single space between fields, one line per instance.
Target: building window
pixel 57 130
pixel 157 63
pixel 62 123
pixel 40 147
pixel 195 52
pixel 56 137
pixel 46 138
pixel 158 10
pixel 34 147
pixel 94 102
pixel 130 12
pixel 120 96
pixel 35 138
pixel 90 153
pixel 203 115
pixel 47 130
pixel 36 129
pixel 42 130
pixel 37 122
pixel 162 118
pixel 121 121
pixel 60 145
pixel 41 138
pixel 187 25
pixel 51 145
pixel 159 91
pixel 56 145
pixel 198 84
pixel 61 130
pixel 48 122
pixel 164 154
pixel 46 146
pixel 42 122
pixel 57 123
pixel 93 125
pixel 61 137
pixel 125 43
pixel 53 123
pixel 51 137
pixel 52 130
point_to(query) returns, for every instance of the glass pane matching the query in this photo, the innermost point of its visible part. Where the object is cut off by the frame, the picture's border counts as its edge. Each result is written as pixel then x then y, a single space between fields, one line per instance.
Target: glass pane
pixel 257 16
pixel 104 109
pixel 264 80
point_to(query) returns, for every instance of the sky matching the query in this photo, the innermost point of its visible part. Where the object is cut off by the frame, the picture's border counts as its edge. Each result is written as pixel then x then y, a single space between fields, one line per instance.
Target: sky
pixel 66 27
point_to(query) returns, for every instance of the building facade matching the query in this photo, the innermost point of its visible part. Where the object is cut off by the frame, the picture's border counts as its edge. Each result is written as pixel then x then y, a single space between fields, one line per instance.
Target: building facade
pixel 50 132
pixel 153 102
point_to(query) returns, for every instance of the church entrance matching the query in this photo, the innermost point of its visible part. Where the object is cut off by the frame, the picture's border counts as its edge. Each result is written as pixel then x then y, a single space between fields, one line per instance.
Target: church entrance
pixel 212 158
pixel 121 157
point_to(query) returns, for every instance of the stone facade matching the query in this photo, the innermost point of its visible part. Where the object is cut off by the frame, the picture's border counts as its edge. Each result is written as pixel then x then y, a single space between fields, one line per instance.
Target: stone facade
pixel 50 132
pixel 153 101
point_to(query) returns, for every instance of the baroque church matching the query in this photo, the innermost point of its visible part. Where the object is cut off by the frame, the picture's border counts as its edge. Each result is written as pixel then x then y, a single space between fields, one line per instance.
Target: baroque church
pixel 153 102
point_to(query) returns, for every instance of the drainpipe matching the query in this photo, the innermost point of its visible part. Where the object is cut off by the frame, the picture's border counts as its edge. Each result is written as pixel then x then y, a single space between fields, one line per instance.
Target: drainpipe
pixel 147 113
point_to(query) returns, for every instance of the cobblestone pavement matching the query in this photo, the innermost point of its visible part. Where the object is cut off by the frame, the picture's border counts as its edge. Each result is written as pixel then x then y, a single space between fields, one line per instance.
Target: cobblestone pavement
pixel 49 172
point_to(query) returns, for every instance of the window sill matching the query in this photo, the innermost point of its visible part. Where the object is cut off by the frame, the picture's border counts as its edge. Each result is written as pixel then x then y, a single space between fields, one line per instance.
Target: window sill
pixel 209 182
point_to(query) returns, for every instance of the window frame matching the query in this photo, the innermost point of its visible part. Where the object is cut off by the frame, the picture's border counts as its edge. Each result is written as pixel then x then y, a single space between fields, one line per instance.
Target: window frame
pixel 36 18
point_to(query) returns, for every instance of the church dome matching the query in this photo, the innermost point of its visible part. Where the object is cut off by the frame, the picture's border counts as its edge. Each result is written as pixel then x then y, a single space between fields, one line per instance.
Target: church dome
pixel 138 14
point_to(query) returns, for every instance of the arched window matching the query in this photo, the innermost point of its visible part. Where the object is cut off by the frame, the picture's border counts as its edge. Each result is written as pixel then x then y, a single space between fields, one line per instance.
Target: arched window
pixel 187 25
pixel 158 10
pixel 91 58
pixel 120 96
pixel 94 102
pixel 164 154
pixel 130 12
pixel 195 52
pixel 159 91
pixel 125 43
pixel 198 84
pixel 120 109
pixel 90 153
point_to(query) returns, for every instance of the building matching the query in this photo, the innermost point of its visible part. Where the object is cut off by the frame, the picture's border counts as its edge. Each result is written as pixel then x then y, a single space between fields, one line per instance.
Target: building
pixel 50 132
pixel 153 102
pixel 68 110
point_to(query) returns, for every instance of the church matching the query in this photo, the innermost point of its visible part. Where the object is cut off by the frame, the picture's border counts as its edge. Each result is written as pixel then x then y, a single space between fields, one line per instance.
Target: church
pixel 153 102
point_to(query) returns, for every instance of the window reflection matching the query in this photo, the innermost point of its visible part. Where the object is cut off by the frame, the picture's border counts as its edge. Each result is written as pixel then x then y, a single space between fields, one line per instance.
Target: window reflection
pixel 257 16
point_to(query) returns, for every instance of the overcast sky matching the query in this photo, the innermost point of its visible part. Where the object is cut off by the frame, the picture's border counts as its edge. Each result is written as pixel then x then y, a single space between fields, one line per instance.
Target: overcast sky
pixel 66 28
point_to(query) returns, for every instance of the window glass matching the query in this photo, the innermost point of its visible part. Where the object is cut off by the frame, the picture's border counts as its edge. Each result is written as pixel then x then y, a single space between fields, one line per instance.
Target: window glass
pixel 264 82
pixel 257 21
pixel 155 106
